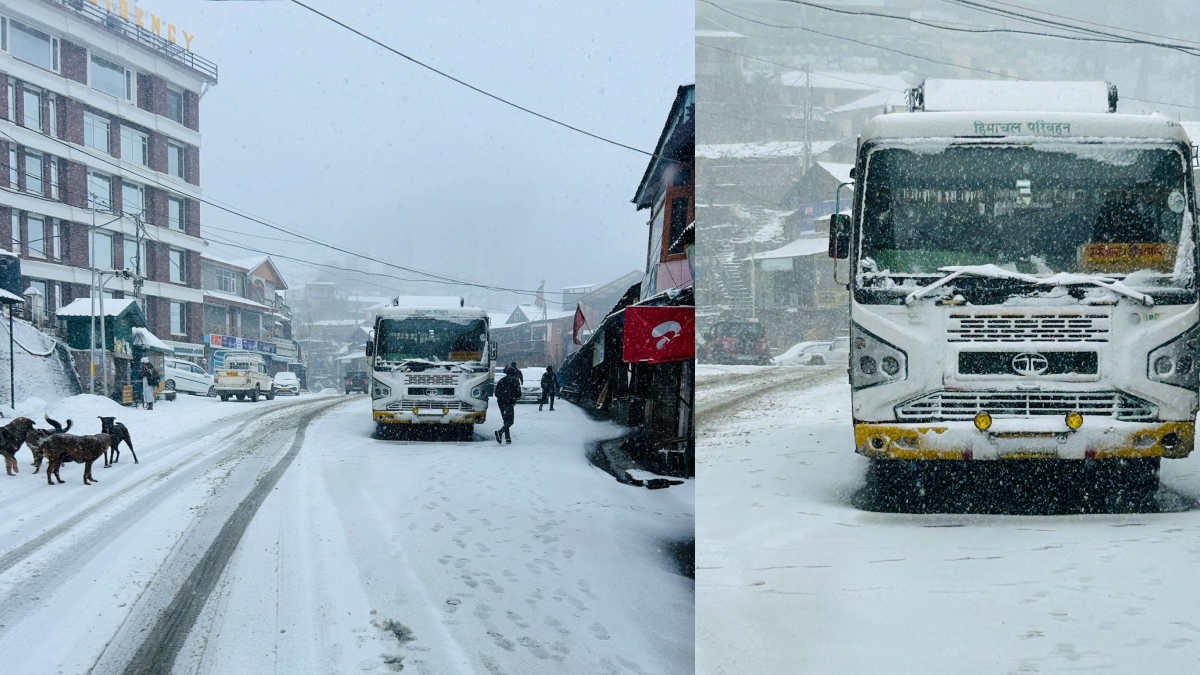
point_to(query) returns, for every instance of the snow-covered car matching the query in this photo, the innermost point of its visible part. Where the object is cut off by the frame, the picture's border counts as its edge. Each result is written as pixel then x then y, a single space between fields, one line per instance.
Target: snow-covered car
pixel 286 383
pixel 243 375
pixel 835 352
pixel 531 389
pixel 187 377
pixel 791 357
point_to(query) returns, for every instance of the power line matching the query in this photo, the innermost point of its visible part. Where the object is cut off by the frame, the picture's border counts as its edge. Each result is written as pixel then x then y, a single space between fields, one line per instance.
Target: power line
pixel 1092 23
pixel 996 11
pixel 895 51
pixel 468 85
pixel 247 216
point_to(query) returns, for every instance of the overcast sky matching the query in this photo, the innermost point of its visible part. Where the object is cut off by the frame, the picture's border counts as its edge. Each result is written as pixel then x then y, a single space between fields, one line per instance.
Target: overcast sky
pixel 315 128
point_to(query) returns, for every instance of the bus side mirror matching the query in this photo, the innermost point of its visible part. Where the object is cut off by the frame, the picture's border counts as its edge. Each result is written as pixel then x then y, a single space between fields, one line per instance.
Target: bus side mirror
pixel 370 350
pixel 839 236
pixel 493 351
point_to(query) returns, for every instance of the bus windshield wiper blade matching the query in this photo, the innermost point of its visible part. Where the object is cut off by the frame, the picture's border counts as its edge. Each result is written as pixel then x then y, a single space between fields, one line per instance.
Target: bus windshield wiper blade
pixel 1061 279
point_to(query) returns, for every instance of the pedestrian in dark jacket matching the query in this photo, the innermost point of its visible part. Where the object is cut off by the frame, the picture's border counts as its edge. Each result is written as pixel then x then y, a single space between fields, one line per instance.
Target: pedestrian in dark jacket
pixel 508 391
pixel 513 370
pixel 549 388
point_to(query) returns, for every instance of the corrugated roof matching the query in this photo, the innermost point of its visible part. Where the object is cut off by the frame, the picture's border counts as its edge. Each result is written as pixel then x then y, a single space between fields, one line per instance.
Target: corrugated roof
pixel 83 307
pixel 801 247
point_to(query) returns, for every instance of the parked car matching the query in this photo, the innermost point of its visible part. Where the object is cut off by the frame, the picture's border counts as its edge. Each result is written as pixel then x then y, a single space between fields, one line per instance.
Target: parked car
pixel 286 383
pixel 243 375
pixel 791 357
pixel 531 389
pixel 185 376
pixel 358 380
pixel 834 352
pixel 737 341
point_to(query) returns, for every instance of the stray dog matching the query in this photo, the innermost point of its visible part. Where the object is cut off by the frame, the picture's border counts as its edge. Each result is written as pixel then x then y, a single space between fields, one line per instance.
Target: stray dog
pixel 109 425
pixel 62 448
pixel 36 437
pixel 12 436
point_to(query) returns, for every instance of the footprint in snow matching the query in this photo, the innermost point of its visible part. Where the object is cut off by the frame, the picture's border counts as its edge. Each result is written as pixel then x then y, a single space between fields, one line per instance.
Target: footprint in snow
pixel 501 641
pixel 516 618
pixel 534 647
pixel 599 631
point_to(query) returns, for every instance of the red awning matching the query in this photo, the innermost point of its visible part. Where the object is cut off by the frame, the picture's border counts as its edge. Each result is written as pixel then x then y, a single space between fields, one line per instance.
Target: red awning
pixel 659 334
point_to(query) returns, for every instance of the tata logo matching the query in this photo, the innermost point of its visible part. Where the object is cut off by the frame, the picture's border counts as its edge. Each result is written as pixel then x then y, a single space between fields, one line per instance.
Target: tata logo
pixel 1029 363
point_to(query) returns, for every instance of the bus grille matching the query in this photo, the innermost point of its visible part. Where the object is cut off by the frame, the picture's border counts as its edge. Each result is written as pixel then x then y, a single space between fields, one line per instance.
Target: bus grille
pixel 429 379
pixel 409 404
pixel 949 406
pixel 1028 327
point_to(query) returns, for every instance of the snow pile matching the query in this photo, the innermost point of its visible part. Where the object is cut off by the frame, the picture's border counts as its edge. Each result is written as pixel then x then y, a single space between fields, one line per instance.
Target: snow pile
pixel 40 374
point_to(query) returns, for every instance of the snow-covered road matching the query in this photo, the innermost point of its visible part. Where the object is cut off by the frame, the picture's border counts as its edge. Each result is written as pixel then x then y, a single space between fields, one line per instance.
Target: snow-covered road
pixel 795 576
pixel 365 556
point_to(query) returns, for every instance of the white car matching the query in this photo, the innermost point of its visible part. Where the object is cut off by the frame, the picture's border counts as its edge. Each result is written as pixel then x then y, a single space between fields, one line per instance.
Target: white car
pixel 792 356
pixel 287 383
pixel 185 376
pixel 531 389
pixel 832 353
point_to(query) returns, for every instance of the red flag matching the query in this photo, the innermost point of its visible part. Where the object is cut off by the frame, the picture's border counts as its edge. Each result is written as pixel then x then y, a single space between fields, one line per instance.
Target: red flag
pixel 580 322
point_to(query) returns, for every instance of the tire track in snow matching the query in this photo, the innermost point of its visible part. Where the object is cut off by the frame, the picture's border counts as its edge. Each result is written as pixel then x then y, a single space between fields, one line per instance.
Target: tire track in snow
pixel 750 388
pixel 88 511
pixel 157 651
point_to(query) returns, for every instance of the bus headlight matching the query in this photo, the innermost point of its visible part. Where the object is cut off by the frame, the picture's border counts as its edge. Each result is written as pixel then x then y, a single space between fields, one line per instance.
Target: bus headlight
pixel 873 361
pixel 477 392
pixel 380 391
pixel 1175 362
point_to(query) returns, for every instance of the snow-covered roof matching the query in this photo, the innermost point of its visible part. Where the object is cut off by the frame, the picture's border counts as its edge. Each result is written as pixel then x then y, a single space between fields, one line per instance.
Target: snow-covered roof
pixel 143 337
pixel 850 81
pixel 760 150
pixel 579 288
pixel 534 313
pixel 964 95
pixel 83 307
pixel 355 355
pixel 839 171
pixel 338 322
pixel 879 99
pixel 1036 127
pixel 369 299
pixel 701 33
pixel 10 297
pixel 801 247
pixel 237 299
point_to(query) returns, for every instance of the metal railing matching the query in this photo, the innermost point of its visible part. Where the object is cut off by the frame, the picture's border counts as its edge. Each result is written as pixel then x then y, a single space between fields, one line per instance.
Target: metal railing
pixel 131 31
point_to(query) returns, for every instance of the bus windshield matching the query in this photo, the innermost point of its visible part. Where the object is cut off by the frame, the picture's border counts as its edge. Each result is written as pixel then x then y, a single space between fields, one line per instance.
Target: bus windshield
pixel 1118 211
pixel 438 339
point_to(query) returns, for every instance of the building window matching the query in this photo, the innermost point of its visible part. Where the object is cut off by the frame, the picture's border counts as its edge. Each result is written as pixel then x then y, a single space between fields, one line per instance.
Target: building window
pixel 102 250
pixel 99 191
pixel 13 174
pixel 110 78
pixel 32 116
pixel 53 247
pixel 135 146
pixel 175 213
pixel 132 202
pixel 54 193
pixel 175 159
pixel 12 101
pixel 36 226
pixel 130 257
pixel 175 105
pixel 178 269
pixel 178 318
pixel 226 280
pixel 52 109
pixel 32 46
pixel 95 132
pixel 679 222
pixel 33 173
pixel 15 244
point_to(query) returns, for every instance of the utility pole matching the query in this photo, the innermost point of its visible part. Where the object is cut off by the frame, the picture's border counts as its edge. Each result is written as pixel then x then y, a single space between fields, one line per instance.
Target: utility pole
pixel 92 297
pixel 807 118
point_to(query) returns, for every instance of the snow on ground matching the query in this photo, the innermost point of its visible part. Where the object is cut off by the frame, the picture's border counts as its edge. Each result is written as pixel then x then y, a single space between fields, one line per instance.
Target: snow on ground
pixel 38 371
pixel 450 557
pixel 793 577
pixel 465 557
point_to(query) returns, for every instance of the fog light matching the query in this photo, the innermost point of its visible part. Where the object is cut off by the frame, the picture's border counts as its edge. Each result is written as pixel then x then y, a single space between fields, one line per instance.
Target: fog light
pixel 1170 440
pixel 867 365
pixel 983 421
pixel 1074 420
pixel 890 365
pixel 878 442
pixel 1162 365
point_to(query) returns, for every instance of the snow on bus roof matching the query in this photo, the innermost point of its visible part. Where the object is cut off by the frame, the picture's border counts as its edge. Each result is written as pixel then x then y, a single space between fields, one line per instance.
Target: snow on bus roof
pixel 963 95
pixel 443 310
pixel 1036 127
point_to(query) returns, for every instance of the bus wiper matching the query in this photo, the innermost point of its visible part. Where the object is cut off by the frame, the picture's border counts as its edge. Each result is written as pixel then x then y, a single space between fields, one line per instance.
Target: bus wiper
pixel 1061 279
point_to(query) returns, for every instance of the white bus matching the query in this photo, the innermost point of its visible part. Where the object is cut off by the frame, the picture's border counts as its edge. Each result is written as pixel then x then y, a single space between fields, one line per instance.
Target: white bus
pixel 1022 286
pixel 432 362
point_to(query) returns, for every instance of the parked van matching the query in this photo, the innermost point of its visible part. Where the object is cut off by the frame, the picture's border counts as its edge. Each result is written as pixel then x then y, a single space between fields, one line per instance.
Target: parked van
pixel 244 375
pixel 184 376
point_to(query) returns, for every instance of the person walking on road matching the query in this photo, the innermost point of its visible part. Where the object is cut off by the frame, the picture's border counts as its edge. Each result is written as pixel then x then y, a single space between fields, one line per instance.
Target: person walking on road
pixel 513 370
pixel 549 388
pixel 508 391
pixel 149 383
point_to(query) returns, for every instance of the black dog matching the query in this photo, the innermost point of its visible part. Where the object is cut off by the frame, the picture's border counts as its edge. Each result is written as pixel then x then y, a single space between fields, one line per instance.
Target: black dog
pixel 118 432
pixel 36 437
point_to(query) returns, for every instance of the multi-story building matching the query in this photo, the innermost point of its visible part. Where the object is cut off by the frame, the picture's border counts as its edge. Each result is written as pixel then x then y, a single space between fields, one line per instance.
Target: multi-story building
pixel 100 156
pixel 244 309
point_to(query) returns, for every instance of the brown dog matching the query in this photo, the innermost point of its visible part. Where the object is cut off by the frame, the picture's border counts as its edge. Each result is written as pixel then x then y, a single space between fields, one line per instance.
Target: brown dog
pixel 36 437
pixel 62 448
pixel 12 436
